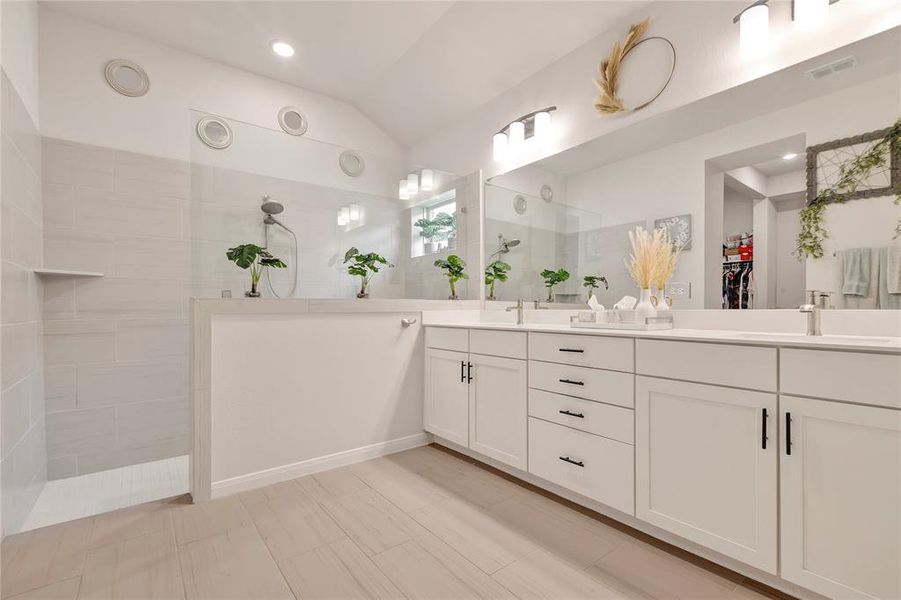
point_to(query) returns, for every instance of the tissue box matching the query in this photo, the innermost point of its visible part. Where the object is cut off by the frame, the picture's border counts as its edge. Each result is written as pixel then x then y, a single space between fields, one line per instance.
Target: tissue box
pixel 590 316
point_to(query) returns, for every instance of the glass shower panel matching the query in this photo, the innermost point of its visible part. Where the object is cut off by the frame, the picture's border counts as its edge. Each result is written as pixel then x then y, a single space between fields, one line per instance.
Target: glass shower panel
pixel 327 210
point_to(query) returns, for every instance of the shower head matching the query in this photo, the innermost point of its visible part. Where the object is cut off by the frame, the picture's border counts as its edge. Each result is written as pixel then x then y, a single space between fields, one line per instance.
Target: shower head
pixel 504 245
pixel 270 206
pixel 511 243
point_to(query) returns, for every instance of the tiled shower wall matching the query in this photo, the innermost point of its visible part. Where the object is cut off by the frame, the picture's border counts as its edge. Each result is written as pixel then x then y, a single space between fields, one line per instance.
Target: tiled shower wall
pixel 115 346
pixel 23 459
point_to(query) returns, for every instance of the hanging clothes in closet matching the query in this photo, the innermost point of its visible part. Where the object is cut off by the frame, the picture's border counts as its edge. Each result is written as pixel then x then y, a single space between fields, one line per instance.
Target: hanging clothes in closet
pixel 738 285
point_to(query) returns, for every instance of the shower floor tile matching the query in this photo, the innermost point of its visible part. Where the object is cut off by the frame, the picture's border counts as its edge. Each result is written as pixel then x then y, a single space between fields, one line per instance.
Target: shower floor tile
pixel 86 495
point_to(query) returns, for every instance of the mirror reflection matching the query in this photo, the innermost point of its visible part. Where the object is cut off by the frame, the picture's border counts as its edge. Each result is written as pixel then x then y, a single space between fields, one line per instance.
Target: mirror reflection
pixel 772 188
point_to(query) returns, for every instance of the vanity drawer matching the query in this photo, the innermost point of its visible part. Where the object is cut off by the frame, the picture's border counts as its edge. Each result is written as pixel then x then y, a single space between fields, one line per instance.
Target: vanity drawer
pixel 851 376
pixel 585 415
pixel 610 387
pixel 447 338
pixel 748 367
pixel 600 468
pixel 583 350
pixel 511 344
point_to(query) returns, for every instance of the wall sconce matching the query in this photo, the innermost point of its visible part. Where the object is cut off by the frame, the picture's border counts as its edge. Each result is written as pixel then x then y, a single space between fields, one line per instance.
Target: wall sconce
pixel 351 214
pixel 427 180
pixel 535 125
pixel 807 14
pixel 402 191
pixel 753 28
pixel 413 184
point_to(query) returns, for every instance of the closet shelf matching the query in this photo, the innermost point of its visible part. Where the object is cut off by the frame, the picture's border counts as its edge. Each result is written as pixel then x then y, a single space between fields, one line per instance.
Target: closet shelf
pixel 65 273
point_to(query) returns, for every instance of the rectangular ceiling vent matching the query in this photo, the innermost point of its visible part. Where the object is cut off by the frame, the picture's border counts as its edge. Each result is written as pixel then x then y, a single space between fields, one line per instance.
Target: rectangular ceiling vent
pixel 826 70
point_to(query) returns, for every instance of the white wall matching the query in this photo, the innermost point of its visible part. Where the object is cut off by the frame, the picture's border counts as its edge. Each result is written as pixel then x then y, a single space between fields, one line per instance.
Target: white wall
pixel 314 385
pixel 671 180
pixel 707 63
pixel 738 213
pixel 790 272
pixel 19 51
pixel 77 104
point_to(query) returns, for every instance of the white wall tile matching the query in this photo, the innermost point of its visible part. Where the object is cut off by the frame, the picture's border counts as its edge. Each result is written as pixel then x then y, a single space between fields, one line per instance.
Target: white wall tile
pixel 77 164
pixel 152 176
pixel 62 467
pixel 77 251
pixel 152 339
pixel 15 415
pixel 114 384
pixel 148 423
pixel 81 431
pixel 97 211
pixel 59 387
pixel 21 351
pixel 125 298
pixel 20 294
pixel 59 298
pixel 151 258
pixel 78 342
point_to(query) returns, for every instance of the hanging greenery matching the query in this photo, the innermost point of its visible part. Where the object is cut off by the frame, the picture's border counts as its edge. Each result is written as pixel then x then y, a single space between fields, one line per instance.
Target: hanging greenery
pixel 850 175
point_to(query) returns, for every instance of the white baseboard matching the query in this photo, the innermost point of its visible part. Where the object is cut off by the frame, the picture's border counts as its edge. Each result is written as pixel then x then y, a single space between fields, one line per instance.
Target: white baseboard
pixel 250 481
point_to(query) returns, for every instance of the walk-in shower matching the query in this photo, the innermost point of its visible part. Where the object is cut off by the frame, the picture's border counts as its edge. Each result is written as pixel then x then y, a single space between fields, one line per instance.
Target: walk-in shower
pixel 270 207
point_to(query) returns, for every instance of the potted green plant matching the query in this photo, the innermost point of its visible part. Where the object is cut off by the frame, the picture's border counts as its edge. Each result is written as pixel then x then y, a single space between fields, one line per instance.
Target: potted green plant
pixel 593 282
pixel 436 230
pixel 364 266
pixel 496 271
pixel 552 278
pixel 255 258
pixel 453 267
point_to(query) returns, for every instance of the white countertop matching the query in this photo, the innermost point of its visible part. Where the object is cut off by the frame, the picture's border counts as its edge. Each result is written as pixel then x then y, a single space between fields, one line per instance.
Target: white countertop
pixel 787 340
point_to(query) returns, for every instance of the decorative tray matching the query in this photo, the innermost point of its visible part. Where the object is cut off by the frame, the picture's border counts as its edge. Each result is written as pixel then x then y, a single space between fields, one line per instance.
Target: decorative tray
pixel 624 326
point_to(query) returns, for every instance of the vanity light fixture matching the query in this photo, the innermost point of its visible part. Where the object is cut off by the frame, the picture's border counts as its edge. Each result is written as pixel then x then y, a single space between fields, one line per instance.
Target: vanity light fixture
pixel 283 49
pixel 534 125
pixel 403 192
pixel 413 184
pixel 753 28
pixel 807 14
pixel 342 220
pixel 427 180
pixel 354 213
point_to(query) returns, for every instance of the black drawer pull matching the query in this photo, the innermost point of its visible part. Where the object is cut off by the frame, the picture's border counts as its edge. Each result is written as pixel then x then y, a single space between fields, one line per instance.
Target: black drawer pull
pixel 788 433
pixel 462 371
pixel 763 436
pixel 469 372
pixel 572 414
pixel 578 463
pixel 571 382
pixel 572 350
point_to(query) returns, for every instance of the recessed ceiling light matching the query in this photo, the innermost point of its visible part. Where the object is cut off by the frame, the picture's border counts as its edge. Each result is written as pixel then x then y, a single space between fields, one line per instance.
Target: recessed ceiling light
pixel 283 49
pixel 789 156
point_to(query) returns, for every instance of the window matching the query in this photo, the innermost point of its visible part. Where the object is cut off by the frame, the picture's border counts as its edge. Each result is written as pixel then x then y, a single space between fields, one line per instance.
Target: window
pixel 434 227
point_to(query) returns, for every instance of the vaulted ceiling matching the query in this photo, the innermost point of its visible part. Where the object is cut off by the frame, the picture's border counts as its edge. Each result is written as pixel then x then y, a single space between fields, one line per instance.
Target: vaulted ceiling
pixel 412 67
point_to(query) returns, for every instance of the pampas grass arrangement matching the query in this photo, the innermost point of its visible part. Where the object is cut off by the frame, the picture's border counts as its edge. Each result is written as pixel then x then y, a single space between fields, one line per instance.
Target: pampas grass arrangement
pixel 653 257
pixel 609 102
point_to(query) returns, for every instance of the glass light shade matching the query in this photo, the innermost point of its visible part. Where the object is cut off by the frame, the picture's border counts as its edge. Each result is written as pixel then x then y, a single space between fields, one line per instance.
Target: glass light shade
pixel 427 180
pixel 754 30
pixel 354 212
pixel 342 218
pixel 412 183
pixel 810 13
pixel 542 124
pixel 499 147
pixel 402 192
pixel 517 133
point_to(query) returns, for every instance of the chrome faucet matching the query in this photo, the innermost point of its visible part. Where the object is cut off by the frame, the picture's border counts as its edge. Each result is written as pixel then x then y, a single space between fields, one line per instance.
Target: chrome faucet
pixel 815 302
pixel 520 311
pixel 537 304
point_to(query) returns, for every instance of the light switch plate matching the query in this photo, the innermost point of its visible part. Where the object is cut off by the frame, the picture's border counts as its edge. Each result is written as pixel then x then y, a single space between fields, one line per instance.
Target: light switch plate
pixel 678 290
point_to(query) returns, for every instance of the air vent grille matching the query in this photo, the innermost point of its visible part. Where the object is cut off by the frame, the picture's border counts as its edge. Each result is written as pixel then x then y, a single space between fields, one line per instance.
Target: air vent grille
pixel 826 70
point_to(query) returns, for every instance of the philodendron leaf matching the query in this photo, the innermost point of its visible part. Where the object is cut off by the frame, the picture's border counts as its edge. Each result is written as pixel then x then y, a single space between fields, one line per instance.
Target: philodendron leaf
pixel 350 254
pixel 273 262
pixel 244 255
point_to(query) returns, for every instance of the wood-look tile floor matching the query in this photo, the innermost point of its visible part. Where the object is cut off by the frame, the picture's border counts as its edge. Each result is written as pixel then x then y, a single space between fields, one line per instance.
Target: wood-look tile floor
pixel 425 523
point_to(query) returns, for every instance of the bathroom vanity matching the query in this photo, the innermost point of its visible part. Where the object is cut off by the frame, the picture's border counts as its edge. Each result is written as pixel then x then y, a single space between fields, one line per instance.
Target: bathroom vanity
pixel 776 452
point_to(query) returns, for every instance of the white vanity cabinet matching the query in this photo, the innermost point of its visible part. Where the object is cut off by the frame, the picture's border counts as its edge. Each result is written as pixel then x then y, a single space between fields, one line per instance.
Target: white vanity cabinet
pixel 706 466
pixel 840 475
pixel 476 391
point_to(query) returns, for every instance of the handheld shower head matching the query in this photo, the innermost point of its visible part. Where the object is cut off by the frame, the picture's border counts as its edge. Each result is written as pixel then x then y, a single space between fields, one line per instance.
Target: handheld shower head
pixel 270 206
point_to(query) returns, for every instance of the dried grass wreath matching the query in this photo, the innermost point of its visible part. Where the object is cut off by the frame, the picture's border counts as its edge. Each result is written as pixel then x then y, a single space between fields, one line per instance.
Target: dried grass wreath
pixel 608 102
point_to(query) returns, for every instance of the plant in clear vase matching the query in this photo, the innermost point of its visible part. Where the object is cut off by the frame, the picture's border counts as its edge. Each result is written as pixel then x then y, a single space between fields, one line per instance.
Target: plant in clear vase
pixel 593 282
pixel 453 267
pixel 364 266
pixel 256 258
pixel 496 271
pixel 551 279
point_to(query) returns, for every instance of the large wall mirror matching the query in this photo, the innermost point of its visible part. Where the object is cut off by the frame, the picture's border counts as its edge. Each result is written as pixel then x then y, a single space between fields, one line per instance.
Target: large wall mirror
pixel 731 169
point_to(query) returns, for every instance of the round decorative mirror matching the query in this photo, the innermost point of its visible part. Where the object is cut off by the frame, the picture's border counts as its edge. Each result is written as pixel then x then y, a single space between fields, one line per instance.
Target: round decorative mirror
pixel 546 192
pixel 351 163
pixel 520 204
pixel 214 132
pixel 126 77
pixel 292 121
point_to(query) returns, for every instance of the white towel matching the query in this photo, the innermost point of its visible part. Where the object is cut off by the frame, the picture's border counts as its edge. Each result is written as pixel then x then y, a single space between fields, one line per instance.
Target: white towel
pixel 892 270
pixel 887 300
pixel 856 273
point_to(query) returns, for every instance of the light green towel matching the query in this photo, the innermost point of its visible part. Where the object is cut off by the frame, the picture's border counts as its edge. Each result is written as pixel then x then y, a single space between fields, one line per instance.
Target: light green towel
pixel 887 299
pixel 891 266
pixel 856 272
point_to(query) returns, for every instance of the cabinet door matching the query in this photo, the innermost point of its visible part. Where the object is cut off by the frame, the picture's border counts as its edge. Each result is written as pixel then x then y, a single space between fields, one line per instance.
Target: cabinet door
pixel 446 410
pixel 841 498
pixel 703 469
pixel 498 409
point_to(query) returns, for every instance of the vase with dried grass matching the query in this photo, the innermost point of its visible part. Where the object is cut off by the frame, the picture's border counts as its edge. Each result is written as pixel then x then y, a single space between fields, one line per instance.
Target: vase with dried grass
pixel 667 265
pixel 648 264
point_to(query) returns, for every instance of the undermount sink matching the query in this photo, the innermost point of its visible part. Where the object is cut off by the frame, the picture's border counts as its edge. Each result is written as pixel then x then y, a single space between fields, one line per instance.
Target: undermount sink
pixel 793 337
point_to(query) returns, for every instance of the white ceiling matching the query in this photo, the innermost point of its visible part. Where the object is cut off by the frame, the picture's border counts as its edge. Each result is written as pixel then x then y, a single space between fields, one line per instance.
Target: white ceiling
pixel 412 67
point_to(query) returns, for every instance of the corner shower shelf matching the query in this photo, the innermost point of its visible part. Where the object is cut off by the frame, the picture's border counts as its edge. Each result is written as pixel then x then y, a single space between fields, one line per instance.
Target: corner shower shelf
pixel 65 273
